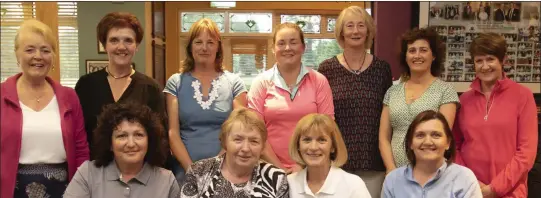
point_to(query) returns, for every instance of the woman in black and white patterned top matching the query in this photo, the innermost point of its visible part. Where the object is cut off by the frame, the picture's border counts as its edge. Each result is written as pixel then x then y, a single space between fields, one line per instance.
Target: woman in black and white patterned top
pixel 238 172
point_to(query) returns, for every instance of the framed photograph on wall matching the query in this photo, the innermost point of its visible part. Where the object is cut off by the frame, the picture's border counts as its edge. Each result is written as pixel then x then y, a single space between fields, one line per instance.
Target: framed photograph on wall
pixel 96 65
pixel 101 49
pixel 458 23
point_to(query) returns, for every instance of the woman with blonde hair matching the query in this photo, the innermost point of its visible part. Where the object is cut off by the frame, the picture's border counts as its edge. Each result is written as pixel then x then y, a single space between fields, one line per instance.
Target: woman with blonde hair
pixel 238 172
pixel 42 130
pixel 358 81
pixel 318 147
pixel 200 98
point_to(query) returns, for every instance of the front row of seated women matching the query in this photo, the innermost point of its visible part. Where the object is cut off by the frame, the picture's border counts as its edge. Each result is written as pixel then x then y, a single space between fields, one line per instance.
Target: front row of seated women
pixel 130 149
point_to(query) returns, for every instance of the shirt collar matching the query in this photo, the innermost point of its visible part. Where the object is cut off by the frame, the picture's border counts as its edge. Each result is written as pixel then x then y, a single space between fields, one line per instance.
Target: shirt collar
pixel 408 172
pixel 279 80
pixel 329 186
pixel 113 174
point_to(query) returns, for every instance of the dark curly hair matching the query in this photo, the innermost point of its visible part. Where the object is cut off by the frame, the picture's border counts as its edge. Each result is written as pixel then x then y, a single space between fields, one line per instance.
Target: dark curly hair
pixel 111 117
pixel 424 117
pixel 436 46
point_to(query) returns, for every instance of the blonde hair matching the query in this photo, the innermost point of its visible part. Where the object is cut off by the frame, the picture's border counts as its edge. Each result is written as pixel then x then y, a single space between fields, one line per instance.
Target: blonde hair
pixel 38 27
pixel 323 124
pixel 248 119
pixel 196 29
pixel 368 22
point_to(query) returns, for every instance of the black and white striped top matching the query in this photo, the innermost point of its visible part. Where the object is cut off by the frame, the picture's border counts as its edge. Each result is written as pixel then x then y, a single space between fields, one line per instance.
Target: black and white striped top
pixel 206 180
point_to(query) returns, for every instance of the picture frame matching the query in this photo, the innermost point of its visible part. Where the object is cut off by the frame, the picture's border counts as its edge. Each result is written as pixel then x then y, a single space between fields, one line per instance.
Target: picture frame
pixel 96 65
pixel 101 49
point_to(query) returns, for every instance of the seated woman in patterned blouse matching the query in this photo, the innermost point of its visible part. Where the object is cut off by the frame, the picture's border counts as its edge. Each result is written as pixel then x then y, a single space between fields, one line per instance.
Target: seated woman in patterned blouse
pixel 238 172
pixel 431 150
pixel 130 148
pixel 318 146
pixel 420 89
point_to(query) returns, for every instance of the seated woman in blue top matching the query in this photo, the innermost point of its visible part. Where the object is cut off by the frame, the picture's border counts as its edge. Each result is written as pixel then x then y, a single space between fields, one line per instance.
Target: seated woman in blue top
pixel 200 98
pixel 430 149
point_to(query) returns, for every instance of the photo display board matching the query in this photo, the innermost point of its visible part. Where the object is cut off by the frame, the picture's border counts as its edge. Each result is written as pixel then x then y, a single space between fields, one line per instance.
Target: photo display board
pixel 458 23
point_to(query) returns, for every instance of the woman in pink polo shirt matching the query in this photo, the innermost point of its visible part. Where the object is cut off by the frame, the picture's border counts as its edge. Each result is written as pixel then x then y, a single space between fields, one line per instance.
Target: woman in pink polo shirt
pixel 285 93
pixel 496 127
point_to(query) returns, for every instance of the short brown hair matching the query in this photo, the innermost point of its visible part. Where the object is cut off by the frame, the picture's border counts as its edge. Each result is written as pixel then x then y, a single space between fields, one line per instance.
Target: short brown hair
pixel 368 21
pixel 197 28
pixel 436 46
pixel 424 117
pixel 116 113
pixel 320 123
pixel 489 44
pixel 248 118
pixel 119 20
pixel 287 25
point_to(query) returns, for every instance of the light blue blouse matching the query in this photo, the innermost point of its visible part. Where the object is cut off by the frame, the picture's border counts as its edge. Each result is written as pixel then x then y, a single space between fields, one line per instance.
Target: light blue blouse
pixel 200 124
pixel 451 181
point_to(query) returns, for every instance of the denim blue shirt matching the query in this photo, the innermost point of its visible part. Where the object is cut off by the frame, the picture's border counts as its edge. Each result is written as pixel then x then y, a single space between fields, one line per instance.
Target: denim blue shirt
pixel 450 181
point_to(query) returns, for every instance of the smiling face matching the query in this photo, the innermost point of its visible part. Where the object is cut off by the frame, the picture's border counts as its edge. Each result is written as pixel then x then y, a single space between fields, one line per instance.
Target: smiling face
pixel 354 31
pixel 488 68
pixel 315 148
pixel 34 54
pixel 419 56
pixel 429 142
pixel 243 146
pixel 121 46
pixel 288 47
pixel 129 143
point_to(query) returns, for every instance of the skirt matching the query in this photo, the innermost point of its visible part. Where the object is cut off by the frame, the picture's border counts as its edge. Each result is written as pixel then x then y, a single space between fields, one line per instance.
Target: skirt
pixel 41 180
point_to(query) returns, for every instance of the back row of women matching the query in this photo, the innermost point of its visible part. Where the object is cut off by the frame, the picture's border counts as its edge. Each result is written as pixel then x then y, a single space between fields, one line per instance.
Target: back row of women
pixel 46 126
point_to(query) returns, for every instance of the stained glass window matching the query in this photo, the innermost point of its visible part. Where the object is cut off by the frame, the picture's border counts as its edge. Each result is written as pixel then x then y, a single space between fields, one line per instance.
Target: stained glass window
pixel 250 22
pixel 188 18
pixel 308 23
pixel 331 22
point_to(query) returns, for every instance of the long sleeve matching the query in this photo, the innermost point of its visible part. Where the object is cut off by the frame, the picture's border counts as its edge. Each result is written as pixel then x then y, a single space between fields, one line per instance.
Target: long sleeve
pixel 459 140
pixel 82 152
pixel 324 99
pixel 82 93
pixel 525 152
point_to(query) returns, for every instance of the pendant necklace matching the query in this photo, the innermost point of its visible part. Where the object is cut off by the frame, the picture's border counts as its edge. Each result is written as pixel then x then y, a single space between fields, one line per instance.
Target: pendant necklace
pixel 358 71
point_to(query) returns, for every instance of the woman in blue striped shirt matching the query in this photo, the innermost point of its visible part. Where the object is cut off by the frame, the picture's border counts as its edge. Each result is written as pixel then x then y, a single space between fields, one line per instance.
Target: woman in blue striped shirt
pixel 430 149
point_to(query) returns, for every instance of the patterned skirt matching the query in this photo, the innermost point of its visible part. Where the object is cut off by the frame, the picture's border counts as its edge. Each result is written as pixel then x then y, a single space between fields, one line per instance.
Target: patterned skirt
pixel 41 180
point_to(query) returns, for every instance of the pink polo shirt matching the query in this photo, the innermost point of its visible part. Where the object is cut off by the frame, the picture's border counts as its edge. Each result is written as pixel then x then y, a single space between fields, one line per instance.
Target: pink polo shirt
pixel 500 149
pixel 281 109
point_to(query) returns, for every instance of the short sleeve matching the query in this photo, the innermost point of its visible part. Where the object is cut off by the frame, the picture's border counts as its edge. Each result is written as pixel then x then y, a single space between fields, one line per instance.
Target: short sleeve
pixel 238 85
pixel 387 190
pixel 449 94
pixel 387 97
pixel 172 83
pixel 79 185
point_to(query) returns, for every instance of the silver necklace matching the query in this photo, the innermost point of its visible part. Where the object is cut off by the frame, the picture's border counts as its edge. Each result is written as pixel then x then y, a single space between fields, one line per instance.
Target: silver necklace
pixel 358 71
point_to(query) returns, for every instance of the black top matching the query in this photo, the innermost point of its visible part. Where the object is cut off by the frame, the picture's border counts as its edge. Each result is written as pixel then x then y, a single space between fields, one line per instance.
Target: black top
pixel 94 93
pixel 358 102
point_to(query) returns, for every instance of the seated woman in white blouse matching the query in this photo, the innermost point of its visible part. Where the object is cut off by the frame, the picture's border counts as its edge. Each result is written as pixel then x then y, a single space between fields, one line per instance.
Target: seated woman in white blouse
pixel 430 148
pixel 318 147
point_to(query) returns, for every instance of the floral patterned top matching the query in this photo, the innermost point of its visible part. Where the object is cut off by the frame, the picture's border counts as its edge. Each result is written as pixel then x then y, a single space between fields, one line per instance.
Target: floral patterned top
pixel 205 179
